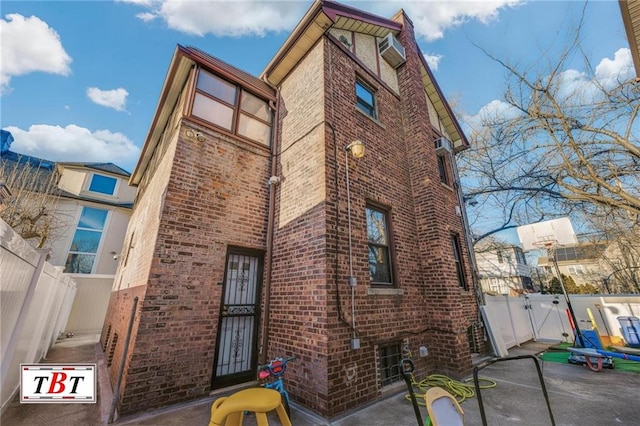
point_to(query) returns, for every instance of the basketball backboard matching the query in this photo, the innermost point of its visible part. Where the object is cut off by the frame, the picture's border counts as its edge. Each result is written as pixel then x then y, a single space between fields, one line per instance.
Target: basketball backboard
pixel 558 232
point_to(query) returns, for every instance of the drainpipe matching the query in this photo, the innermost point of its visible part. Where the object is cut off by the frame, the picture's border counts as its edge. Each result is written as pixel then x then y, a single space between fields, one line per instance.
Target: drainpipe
pixel 273 181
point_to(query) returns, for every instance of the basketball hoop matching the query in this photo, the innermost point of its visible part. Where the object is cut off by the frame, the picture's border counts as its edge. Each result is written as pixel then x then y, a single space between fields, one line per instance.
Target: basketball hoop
pixel 548 234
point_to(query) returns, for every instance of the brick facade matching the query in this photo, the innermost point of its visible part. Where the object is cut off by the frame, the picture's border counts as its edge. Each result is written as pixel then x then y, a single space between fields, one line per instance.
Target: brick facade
pixel 212 194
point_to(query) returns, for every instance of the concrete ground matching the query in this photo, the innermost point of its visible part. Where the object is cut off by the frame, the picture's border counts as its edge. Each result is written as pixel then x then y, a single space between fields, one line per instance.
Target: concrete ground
pixel 577 396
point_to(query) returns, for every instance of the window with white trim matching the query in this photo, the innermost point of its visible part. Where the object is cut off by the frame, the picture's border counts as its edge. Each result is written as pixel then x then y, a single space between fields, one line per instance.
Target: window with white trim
pixel 86 240
pixel 576 270
pixel 103 184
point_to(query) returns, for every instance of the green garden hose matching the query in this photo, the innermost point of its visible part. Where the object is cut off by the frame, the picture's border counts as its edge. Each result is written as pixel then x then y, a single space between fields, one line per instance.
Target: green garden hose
pixel 460 390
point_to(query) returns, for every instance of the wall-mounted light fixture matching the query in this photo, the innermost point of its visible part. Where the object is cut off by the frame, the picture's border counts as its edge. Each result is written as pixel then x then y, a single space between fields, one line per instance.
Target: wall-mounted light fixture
pixel 356 149
pixel 114 255
pixel 191 134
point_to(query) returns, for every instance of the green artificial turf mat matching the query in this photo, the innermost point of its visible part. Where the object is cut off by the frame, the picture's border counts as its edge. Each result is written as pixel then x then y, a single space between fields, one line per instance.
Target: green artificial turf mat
pixel 561 356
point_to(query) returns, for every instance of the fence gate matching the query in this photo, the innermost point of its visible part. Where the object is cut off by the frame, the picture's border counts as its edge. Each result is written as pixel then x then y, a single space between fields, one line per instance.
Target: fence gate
pixel 236 347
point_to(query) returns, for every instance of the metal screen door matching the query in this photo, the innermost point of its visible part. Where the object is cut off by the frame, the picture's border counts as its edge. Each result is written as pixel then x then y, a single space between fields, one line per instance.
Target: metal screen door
pixel 236 353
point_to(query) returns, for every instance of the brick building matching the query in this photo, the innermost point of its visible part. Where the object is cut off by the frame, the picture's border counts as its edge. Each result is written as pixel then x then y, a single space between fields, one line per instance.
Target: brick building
pixel 253 221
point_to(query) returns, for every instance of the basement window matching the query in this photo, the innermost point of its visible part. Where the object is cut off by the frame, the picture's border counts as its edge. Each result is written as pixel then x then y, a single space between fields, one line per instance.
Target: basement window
pixel 390 356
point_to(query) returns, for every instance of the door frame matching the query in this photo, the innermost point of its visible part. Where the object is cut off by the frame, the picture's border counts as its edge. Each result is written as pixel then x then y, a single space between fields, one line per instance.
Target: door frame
pixel 245 376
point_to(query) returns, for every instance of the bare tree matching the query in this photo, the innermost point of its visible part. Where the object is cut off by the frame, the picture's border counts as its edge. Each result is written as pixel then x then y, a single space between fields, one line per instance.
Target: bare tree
pixel 558 142
pixel 29 210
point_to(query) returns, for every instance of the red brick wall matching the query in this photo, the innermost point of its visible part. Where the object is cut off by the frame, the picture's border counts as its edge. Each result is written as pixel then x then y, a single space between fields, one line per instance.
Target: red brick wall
pixel 400 172
pixel 216 196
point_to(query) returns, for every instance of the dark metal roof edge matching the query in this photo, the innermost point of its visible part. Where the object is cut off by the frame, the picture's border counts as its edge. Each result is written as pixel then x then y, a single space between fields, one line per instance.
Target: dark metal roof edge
pixel 231 72
pixel 332 10
pixel 97 166
pixel 179 53
pixel 456 124
pixel 295 34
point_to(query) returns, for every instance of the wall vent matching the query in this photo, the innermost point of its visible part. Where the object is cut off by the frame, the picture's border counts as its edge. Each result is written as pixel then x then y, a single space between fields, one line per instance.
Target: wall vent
pixel 392 51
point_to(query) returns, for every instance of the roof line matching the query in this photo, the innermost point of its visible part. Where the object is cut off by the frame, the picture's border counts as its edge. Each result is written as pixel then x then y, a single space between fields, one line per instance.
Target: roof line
pixel 332 10
pixel 180 51
pixel 463 137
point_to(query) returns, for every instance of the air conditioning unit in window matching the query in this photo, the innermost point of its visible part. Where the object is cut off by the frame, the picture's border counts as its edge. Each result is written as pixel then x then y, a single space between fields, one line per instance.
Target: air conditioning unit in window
pixel 392 51
pixel 443 146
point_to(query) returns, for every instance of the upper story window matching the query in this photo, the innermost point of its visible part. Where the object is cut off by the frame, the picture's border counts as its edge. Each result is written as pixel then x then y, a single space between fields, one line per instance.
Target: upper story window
pixel 366 100
pixel 500 258
pixel 86 240
pixel 442 170
pixel 232 108
pixel 576 270
pixel 379 246
pixel 457 258
pixel 103 184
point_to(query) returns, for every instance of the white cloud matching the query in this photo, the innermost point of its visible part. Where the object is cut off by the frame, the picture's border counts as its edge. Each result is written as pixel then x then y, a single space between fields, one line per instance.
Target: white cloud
pixel 575 87
pixel 224 18
pixel 146 16
pixel 433 61
pixel 30 45
pixel 432 18
pixel 139 2
pixel 116 98
pixel 257 17
pixel 609 72
pixel 74 143
pixel 496 110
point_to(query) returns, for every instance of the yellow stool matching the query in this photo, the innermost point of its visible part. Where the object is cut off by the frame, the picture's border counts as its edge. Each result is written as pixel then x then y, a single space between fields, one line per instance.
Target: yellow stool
pixel 229 411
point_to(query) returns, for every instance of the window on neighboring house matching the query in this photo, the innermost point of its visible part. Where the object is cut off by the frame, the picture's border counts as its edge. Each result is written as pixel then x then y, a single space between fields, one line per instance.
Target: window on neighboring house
pixel 232 108
pixel 520 256
pixel 500 258
pixel 86 240
pixel 366 100
pixel 457 257
pixel 442 169
pixel 379 246
pixel 390 357
pixel 576 270
pixel 103 184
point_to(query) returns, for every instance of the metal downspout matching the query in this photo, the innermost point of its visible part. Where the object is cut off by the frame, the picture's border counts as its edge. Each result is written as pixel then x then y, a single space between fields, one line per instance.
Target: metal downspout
pixel 270 225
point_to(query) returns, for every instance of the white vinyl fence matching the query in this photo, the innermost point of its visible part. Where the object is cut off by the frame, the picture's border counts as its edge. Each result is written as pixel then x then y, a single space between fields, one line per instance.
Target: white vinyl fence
pixel 35 301
pixel 514 320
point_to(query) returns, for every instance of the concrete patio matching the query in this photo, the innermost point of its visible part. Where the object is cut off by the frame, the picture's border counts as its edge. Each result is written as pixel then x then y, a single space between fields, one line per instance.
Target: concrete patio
pixel 577 395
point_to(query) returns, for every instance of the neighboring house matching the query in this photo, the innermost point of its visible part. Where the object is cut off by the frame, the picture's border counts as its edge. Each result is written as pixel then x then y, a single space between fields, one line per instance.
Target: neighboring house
pixel 630 10
pixel 258 233
pixel 92 204
pixel 620 265
pixel 582 262
pixel 503 269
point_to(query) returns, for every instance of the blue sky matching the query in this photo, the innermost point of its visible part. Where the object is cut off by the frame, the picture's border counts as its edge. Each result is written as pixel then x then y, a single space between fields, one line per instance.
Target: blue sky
pixel 80 80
